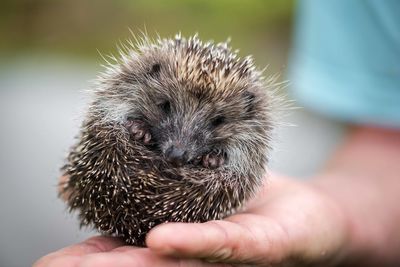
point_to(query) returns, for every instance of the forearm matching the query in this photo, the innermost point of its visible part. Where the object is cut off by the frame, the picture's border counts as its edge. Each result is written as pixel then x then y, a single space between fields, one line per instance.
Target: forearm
pixel 364 179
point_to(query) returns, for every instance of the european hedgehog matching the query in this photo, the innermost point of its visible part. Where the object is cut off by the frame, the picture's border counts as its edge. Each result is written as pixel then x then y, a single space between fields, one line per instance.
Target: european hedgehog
pixel 177 131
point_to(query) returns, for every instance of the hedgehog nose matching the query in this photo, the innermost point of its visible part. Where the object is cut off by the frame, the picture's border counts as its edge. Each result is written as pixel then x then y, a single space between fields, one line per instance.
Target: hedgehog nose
pixel 176 155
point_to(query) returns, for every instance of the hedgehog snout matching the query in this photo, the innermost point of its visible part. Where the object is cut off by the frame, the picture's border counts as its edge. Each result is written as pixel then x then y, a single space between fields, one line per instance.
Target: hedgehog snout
pixel 176 154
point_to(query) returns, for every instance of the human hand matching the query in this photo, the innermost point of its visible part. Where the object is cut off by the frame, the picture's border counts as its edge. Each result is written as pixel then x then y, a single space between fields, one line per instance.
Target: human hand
pixel 288 223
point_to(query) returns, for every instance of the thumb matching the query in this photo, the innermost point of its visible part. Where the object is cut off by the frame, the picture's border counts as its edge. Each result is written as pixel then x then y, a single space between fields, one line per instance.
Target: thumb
pixel 222 241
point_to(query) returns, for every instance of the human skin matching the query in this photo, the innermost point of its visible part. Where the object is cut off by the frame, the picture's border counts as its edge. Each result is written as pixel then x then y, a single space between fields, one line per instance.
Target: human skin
pixel 347 214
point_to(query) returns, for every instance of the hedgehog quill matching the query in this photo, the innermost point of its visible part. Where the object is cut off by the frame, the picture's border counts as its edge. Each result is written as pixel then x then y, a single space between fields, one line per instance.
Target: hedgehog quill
pixel 177 130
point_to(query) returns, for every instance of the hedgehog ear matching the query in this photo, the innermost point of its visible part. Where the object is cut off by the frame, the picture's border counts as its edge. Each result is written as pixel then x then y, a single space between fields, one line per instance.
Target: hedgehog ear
pixel 155 70
pixel 249 98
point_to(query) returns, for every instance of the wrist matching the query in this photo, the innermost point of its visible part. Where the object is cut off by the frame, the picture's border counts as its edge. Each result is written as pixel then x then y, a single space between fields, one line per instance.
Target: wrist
pixel 356 243
pixel 362 179
pixel 344 224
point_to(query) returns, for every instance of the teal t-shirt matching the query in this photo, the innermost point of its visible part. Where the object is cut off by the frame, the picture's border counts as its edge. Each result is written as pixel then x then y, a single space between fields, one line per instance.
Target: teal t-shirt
pixel 345 60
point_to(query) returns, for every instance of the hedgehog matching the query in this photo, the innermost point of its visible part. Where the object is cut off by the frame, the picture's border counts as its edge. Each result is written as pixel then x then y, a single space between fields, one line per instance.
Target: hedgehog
pixel 177 130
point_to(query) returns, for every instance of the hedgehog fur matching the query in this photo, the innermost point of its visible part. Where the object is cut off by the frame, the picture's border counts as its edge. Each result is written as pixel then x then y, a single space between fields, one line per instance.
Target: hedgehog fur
pixel 177 130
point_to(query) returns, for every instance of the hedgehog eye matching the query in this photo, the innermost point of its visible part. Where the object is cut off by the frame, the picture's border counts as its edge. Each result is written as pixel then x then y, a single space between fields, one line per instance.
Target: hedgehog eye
pixel 155 69
pixel 217 121
pixel 165 107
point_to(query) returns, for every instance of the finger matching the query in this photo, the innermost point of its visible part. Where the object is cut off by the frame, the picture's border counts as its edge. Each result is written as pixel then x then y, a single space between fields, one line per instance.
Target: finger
pixel 72 253
pixel 60 261
pixel 140 258
pixel 227 241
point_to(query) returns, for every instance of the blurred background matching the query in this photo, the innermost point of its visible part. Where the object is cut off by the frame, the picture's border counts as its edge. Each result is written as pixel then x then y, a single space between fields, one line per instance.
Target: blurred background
pixel 49 52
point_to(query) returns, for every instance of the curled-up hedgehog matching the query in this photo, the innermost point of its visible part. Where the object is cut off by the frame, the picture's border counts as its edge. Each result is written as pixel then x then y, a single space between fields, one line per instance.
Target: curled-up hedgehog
pixel 177 131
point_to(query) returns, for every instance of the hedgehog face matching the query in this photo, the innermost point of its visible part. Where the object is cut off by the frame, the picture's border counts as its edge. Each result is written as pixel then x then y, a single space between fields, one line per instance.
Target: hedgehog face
pixel 196 126
pixel 182 133
pixel 186 129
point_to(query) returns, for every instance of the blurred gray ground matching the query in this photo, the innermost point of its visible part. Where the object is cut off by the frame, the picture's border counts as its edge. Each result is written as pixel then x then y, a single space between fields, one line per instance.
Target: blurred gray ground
pixel 41 103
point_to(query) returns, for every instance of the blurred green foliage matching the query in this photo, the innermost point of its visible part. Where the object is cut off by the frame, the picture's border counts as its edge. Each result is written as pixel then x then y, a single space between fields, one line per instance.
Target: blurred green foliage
pixel 80 28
